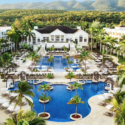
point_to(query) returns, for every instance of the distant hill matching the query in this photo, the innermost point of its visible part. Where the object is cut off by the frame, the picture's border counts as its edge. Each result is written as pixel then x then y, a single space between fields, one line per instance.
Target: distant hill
pixel 100 5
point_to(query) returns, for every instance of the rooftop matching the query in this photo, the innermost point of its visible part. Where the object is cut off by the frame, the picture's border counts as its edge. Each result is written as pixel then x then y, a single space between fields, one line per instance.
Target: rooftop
pixel 50 29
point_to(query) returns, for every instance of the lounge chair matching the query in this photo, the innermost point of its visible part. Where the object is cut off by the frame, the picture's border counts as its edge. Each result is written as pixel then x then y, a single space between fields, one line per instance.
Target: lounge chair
pixel 108 114
pixel 102 104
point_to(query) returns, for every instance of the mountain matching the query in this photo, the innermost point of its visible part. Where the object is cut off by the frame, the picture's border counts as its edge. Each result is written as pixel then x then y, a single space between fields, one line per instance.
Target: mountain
pixel 99 5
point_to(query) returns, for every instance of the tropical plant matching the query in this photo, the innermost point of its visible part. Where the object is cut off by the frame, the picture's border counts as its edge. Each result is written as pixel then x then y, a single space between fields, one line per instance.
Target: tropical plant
pixel 92 31
pixel 50 59
pixel 16 36
pixel 112 43
pixel 6 61
pixel 77 86
pixel 120 113
pixel 44 98
pixel 70 75
pixel 24 89
pixel 52 48
pixel 64 48
pixel 121 48
pixel 85 55
pixel 29 117
pixel 50 76
pixel 34 57
pixel 75 100
pixel 69 61
pixel 44 87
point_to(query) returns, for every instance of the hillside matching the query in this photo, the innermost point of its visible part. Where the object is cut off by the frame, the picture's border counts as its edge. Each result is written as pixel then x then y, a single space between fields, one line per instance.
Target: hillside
pixel 100 5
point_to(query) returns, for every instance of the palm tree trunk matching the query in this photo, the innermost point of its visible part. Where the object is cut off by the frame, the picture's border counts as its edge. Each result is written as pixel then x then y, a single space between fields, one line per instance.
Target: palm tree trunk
pixel 85 66
pixel 91 42
pixel 76 110
pixel 44 109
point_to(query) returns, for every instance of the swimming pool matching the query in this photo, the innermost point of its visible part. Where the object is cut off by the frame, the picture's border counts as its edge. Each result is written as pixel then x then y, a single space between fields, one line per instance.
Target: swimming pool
pixel 59 63
pixel 58 108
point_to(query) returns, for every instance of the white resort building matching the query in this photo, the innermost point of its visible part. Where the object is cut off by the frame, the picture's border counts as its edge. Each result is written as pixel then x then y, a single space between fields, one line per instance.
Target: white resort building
pixel 117 32
pixel 59 36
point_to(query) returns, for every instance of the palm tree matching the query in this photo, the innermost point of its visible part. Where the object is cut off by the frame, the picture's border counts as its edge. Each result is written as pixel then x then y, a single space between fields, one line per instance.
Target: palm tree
pixel 64 48
pixel 24 89
pixel 44 87
pixel 92 31
pixel 112 43
pixel 69 61
pixel 16 36
pixel 34 56
pixel 44 98
pixel 121 48
pixel 70 75
pixel 77 86
pixel 120 114
pixel 101 36
pixel 75 100
pixel 28 25
pixel 50 59
pixel 85 55
pixel 6 61
pixel 29 117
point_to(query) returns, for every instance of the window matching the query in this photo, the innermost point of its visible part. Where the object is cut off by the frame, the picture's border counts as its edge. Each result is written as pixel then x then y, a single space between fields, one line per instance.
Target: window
pixel 85 40
pixel 38 39
pixel 62 37
pixel 52 38
pixel 80 39
pixel 34 40
pixel 57 38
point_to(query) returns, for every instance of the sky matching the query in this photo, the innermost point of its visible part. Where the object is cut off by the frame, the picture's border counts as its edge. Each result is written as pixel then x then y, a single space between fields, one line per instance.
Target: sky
pixel 18 1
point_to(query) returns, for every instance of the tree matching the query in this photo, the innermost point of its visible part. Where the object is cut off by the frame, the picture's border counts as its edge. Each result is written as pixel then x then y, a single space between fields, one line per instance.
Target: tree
pixel 75 100
pixel 24 89
pixel 120 114
pixel 77 86
pixel 69 61
pixel 112 43
pixel 44 87
pixel 70 75
pixel 16 36
pixel 29 117
pixel 50 59
pixel 44 98
pixel 85 55
pixel 121 48
pixel 34 56
pixel 6 61
pixel 92 31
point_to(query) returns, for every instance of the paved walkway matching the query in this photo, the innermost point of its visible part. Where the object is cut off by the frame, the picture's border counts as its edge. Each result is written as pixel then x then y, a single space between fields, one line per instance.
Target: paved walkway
pixel 115 59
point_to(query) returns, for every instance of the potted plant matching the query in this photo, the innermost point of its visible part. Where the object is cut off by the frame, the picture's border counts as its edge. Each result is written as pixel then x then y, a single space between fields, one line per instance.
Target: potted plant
pixel 75 100
pixel 44 98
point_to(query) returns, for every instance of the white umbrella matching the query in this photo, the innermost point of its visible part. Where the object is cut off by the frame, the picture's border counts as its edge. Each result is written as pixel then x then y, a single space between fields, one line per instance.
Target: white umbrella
pixel 109 107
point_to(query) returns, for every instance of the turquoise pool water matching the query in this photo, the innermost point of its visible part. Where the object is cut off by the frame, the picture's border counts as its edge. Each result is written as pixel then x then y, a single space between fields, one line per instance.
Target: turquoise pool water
pixel 58 108
pixel 59 63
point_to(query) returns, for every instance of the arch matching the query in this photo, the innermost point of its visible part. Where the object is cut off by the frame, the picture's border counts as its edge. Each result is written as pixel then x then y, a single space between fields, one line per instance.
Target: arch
pixel 110 81
pixel 23 75
pixel 9 79
pixel 96 76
